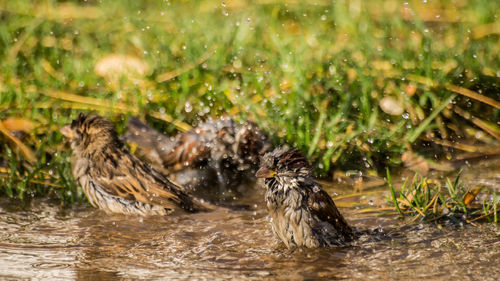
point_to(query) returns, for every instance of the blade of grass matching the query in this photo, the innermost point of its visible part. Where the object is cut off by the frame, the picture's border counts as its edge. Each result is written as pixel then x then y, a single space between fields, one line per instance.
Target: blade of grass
pixel 317 134
pixel 393 193
pixel 412 136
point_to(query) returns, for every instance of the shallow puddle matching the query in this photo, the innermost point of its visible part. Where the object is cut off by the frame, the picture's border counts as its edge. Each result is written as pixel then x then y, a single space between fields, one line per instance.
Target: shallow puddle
pixel 45 241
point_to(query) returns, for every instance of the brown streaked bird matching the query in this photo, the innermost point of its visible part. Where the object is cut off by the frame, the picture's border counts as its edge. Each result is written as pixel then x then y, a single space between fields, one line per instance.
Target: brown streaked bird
pixel 217 152
pixel 302 213
pixel 147 143
pixel 116 181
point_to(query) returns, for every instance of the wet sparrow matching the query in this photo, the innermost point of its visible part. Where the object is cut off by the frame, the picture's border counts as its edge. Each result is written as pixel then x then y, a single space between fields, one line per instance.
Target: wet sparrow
pixel 146 142
pixel 217 152
pixel 302 213
pixel 115 180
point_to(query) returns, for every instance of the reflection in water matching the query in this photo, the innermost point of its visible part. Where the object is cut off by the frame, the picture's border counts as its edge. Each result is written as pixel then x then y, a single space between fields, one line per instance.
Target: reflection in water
pixel 86 244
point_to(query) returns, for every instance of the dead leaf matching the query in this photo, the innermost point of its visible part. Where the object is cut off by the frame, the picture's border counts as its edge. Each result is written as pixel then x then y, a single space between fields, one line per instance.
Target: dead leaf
pixel 18 124
pixel 471 195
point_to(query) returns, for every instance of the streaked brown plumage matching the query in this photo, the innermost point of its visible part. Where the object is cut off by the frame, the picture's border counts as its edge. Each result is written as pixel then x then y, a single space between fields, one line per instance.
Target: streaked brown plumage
pixel 217 152
pixel 149 144
pixel 302 213
pixel 115 180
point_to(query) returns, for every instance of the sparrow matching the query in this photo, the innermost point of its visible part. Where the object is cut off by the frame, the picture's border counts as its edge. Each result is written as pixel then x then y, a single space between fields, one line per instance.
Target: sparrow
pixel 115 180
pixel 217 152
pixel 147 143
pixel 302 213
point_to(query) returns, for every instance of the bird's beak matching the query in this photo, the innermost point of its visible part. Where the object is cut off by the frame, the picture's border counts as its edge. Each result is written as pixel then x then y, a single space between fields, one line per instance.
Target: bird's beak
pixel 67 132
pixel 265 173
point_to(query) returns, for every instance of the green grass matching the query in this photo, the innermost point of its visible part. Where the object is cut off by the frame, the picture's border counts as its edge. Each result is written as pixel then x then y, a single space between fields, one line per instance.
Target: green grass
pixel 311 74
pixel 426 199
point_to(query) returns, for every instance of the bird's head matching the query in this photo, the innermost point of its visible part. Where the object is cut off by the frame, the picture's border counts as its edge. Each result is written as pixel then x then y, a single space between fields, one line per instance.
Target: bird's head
pixel 250 142
pixel 284 163
pixel 90 132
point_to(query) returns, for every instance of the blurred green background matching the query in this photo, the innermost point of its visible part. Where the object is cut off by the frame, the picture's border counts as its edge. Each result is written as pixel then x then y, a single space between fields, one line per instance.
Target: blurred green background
pixel 353 84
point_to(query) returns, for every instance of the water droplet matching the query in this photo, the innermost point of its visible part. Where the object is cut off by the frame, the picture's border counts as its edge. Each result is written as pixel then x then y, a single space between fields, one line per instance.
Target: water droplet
pixel 188 107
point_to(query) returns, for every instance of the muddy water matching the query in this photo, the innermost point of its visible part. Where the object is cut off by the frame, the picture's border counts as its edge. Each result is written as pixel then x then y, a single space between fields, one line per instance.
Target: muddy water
pixel 45 241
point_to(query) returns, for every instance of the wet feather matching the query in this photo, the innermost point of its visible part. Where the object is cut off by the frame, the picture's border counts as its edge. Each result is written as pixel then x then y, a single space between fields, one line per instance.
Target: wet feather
pixel 302 213
pixel 115 180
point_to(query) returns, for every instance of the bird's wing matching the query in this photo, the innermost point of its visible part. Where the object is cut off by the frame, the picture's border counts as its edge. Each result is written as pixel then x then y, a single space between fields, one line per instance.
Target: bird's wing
pixel 323 207
pixel 132 179
pixel 189 150
pixel 150 144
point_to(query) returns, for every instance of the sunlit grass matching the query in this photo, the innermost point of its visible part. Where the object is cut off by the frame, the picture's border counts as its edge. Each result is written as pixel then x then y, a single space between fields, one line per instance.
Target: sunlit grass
pixel 351 83
pixel 426 199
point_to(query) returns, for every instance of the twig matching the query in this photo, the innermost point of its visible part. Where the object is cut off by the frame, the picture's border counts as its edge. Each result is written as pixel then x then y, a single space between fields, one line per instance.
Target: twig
pixel 476 121
pixel 456 89
pixel 26 151
pixel 431 203
pixel 473 95
pixel 416 209
pixel 471 223
pixel 482 216
pixel 450 87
